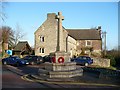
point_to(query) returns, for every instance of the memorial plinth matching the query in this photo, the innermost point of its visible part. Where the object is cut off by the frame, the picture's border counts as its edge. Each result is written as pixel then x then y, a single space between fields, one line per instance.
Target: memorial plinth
pixel 61 67
pixel 60 70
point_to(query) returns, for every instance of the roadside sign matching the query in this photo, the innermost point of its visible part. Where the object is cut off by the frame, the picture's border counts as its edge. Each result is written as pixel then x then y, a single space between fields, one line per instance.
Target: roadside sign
pixel 9 52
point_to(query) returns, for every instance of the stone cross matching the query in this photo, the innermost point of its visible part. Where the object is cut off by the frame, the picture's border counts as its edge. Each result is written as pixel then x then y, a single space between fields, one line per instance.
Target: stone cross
pixel 60 32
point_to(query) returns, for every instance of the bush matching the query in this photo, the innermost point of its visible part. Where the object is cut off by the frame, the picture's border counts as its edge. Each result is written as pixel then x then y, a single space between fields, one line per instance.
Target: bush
pixel 117 59
pixel 114 57
pixel 112 60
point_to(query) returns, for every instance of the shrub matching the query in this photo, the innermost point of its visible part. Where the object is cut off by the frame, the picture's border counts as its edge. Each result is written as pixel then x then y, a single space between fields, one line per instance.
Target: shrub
pixel 112 60
pixel 114 57
pixel 117 59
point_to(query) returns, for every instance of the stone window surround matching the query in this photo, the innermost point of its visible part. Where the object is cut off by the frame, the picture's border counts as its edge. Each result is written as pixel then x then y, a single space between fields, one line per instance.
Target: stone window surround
pixel 42 38
pixel 41 50
pixel 86 42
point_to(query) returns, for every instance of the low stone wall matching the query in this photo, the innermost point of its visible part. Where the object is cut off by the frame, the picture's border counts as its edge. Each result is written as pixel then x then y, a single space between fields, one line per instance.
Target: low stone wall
pixel 101 62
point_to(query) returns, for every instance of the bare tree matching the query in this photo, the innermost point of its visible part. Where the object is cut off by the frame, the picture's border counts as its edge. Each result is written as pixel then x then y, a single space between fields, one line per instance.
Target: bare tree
pixel 18 34
pixel 2 11
pixel 6 38
pixel 7 35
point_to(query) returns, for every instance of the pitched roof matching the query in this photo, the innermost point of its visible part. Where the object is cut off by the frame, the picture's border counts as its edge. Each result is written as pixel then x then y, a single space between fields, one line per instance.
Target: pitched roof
pixel 21 45
pixel 84 34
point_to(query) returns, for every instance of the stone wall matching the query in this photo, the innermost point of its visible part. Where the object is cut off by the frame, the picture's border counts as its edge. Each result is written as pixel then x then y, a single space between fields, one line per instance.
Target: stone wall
pixel 95 44
pixel 49 30
pixel 101 62
pixel 71 46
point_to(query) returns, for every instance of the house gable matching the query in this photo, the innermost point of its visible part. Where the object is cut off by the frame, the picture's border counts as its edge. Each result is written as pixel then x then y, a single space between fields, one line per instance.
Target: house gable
pixel 48 30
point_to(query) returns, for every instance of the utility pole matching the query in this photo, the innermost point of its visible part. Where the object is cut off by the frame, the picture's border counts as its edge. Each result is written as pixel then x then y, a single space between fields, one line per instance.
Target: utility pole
pixel 104 36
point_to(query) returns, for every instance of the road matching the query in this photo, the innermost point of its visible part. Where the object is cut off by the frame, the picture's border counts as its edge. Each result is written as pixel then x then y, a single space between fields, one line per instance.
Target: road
pixel 13 80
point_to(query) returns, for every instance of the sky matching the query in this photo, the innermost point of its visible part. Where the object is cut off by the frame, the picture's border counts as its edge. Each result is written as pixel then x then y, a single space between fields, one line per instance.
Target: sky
pixel 30 16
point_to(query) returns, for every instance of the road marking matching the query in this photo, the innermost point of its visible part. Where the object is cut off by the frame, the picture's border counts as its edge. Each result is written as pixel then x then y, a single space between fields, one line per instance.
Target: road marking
pixel 24 77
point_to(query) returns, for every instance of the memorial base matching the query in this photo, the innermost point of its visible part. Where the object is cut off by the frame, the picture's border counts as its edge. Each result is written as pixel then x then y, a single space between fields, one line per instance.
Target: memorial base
pixel 61 68
pixel 58 54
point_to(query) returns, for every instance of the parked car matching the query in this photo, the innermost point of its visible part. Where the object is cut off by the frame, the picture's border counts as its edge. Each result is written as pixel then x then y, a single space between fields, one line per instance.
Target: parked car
pixel 83 60
pixel 47 58
pixel 33 59
pixel 14 60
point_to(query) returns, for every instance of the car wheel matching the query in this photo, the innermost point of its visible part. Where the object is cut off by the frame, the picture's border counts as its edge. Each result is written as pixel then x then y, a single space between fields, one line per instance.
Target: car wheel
pixel 4 63
pixel 86 64
pixel 32 63
pixel 17 64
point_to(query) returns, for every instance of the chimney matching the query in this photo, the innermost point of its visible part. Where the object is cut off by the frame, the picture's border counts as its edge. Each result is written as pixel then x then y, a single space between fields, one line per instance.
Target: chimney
pixel 51 16
pixel 99 27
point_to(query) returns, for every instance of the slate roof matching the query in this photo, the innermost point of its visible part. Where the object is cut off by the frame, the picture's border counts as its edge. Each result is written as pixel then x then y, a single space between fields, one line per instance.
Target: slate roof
pixel 84 34
pixel 21 45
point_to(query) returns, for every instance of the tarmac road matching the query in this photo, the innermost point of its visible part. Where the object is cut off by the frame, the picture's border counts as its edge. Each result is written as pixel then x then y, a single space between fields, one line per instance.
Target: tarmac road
pixel 13 79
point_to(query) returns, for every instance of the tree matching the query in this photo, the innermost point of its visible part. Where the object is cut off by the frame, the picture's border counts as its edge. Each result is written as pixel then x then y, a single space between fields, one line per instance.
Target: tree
pixel 18 34
pixel 2 7
pixel 7 38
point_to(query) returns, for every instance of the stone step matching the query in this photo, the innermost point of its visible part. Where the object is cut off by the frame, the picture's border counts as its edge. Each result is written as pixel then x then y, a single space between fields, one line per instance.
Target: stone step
pixel 60 74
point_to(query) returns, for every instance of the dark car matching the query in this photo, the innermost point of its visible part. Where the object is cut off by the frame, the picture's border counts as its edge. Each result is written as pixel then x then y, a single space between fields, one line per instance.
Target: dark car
pixel 83 60
pixel 47 58
pixel 14 60
pixel 33 59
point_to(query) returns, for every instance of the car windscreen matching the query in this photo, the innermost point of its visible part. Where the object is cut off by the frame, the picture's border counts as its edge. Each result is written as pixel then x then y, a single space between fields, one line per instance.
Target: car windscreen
pixel 15 58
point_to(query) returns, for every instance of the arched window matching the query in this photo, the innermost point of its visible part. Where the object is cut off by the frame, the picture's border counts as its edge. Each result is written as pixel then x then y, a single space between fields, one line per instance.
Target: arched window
pixel 41 50
pixel 41 38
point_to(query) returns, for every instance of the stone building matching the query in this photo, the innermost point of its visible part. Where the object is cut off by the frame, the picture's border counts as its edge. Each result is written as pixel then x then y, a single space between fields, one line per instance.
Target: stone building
pixel 75 41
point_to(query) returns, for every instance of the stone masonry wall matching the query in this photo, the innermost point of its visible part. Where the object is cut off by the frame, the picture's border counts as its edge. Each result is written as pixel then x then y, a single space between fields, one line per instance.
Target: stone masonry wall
pixel 71 46
pixel 49 30
pixel 96 44
pixel 101 62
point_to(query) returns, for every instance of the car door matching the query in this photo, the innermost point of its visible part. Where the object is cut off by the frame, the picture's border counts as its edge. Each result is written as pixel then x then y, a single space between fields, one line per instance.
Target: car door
pixel 79 60
pixel 82 60
pixel 9 60
pixel 14 60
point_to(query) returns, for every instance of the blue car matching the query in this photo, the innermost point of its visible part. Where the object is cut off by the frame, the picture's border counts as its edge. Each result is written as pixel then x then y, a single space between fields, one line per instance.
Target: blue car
pixel 83 60
pixel 14 60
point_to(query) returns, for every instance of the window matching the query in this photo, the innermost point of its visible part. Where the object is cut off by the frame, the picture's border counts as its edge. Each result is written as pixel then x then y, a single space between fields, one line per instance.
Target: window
pixel 41 38
pixel 41 50
pixel 78 43
pixel 88 43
